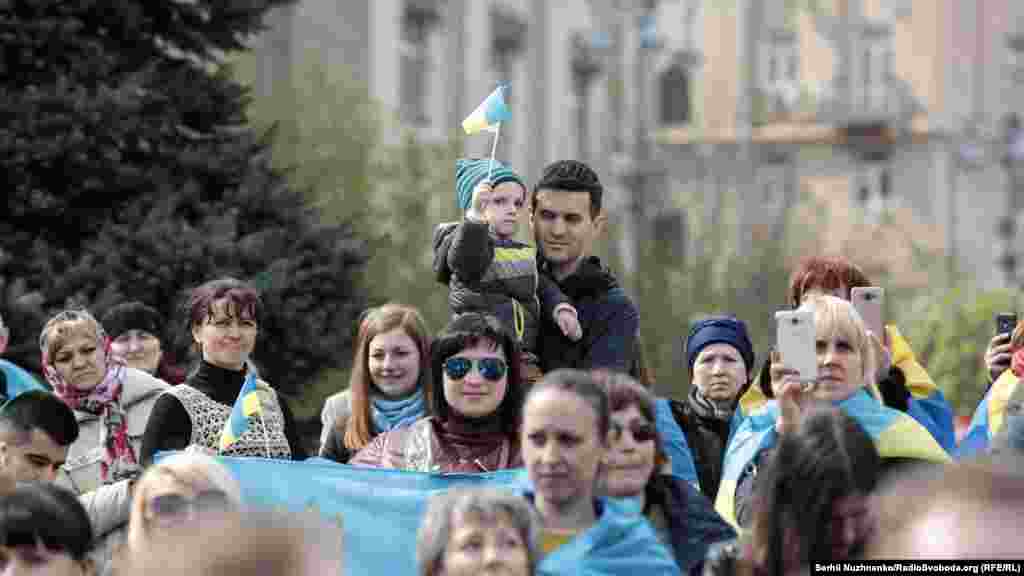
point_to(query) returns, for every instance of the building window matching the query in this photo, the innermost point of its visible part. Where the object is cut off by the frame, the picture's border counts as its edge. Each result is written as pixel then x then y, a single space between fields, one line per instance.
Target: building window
pixel 418 21
pixel 508 33
pixel 869 84
pixel 675 95
pixel 507 36
pixel 772 176
pixel 581 107
pixel 874 189
pixel 875 63
pixel 884 184
pixel 779 83
pixel 585 67
pixel 1016 46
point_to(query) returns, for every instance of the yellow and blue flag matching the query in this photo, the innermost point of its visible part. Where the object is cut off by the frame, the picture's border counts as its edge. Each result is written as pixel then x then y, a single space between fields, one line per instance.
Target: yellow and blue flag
pixel 247 406
pixel 489 114
pixel 989 417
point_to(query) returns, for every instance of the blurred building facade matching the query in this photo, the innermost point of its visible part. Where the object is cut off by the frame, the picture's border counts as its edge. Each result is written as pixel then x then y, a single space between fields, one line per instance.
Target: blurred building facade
pixel 882 110
pixel 707 113
pixel 572 65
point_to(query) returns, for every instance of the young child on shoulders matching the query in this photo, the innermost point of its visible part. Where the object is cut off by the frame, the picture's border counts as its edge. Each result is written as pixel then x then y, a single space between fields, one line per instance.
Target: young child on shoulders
pixel 487 270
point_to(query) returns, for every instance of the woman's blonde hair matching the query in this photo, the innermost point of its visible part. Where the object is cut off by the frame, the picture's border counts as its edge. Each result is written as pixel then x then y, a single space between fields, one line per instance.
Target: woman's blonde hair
pixel 242 543
pixel 837 317
pixel 447 510
pixel 62 326
pixel 193 469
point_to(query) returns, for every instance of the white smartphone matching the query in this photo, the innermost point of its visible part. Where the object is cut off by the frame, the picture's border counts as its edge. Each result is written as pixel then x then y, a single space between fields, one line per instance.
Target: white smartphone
pixel 868 300
pixel 795 341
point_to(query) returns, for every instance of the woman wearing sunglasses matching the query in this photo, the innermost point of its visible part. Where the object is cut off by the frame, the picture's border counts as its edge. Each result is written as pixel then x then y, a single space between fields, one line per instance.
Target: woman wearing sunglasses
pixel 472 427
pixel 44 531
pixel 635 467
pixel 173 491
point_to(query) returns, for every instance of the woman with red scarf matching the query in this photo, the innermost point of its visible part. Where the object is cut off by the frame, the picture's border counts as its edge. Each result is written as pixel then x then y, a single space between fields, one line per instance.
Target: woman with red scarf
pixel 111 401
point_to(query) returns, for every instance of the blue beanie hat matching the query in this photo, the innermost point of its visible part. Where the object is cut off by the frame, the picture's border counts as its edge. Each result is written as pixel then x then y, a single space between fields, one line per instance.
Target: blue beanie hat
pixel 471 171
pixel 720 330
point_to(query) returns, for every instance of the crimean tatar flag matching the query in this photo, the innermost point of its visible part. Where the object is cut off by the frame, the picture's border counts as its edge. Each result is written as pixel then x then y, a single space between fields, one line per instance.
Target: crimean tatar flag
pixel 247 406
pixel 489 113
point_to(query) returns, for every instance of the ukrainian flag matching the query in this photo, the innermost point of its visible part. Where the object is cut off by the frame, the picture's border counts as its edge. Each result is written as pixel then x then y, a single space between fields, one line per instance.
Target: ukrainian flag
pixel 927 403
pixel 896 435
pixel 247 406
pixel 489 113
pixel 989 416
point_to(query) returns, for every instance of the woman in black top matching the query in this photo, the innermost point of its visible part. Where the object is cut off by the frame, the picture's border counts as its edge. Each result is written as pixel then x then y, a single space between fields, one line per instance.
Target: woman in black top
pixel 224 317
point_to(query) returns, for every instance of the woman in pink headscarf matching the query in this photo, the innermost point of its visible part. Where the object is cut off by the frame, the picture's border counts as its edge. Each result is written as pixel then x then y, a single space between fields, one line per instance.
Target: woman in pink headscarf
pixel 111 401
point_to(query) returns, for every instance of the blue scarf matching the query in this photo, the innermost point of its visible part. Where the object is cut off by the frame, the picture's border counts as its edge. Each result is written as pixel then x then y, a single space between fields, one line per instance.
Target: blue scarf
pixel 391 414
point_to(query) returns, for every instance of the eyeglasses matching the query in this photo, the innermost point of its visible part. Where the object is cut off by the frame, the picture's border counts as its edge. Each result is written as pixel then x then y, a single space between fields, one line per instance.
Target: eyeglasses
pixel 175 506
pixel 492 369
pixel 641 431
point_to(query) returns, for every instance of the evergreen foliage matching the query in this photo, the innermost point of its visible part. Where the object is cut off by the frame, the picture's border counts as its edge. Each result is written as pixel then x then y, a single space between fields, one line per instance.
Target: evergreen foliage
pixel 132 174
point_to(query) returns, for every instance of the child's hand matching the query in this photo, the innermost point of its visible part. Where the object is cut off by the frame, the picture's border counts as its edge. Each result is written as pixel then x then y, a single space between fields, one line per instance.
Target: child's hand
pixel 565 317
pixel 481 199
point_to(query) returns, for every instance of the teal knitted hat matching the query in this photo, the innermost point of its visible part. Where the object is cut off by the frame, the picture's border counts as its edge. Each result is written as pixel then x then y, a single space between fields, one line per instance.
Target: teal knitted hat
pixel 471 171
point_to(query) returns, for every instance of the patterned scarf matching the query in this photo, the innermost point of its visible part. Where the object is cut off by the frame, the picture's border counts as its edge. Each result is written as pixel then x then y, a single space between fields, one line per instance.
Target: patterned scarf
pixel 119 460
pixel 391 414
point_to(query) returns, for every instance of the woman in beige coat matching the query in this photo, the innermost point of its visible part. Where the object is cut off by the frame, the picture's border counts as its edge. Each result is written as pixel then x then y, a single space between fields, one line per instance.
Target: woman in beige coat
pixel 111 403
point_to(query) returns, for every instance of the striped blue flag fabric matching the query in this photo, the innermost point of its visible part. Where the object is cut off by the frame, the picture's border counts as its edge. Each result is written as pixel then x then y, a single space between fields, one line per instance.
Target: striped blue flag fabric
pixel 988 416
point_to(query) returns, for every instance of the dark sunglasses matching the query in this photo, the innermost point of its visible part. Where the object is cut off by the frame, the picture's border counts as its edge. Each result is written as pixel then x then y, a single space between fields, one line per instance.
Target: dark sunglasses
pixel 172 506
pixel 641 431
pixel 492 369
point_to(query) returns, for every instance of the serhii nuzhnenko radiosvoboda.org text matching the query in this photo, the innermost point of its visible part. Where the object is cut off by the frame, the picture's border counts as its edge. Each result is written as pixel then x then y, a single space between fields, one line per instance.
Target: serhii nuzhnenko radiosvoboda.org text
pixel 951 567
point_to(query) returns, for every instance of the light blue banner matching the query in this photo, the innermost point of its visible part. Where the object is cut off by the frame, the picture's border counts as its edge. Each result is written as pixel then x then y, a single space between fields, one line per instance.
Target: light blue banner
pixel 379 510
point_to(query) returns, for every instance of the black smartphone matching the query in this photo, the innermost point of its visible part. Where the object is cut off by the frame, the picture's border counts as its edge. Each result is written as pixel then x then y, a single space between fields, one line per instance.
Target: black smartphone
pixel 1005 322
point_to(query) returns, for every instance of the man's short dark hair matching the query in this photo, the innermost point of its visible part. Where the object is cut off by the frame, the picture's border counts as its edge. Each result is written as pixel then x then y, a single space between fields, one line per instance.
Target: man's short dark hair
pixel 570 176
pixel 41 410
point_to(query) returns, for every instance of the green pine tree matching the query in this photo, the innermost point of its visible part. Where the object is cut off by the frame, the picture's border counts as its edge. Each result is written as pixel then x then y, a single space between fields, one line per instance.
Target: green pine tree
pixel 132 174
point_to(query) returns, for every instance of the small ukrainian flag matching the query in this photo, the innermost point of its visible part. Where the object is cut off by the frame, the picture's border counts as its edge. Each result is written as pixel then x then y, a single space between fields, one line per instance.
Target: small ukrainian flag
pixel 247 406
pixel 489 114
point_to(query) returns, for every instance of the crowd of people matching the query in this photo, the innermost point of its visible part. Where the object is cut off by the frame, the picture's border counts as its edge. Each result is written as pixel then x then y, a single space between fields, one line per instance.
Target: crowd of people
pixel 113 466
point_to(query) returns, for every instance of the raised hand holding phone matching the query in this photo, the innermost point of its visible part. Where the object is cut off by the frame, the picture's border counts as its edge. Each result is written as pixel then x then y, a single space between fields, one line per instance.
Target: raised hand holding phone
pixel 1000 350
pixel 869 302
pixel 795 341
